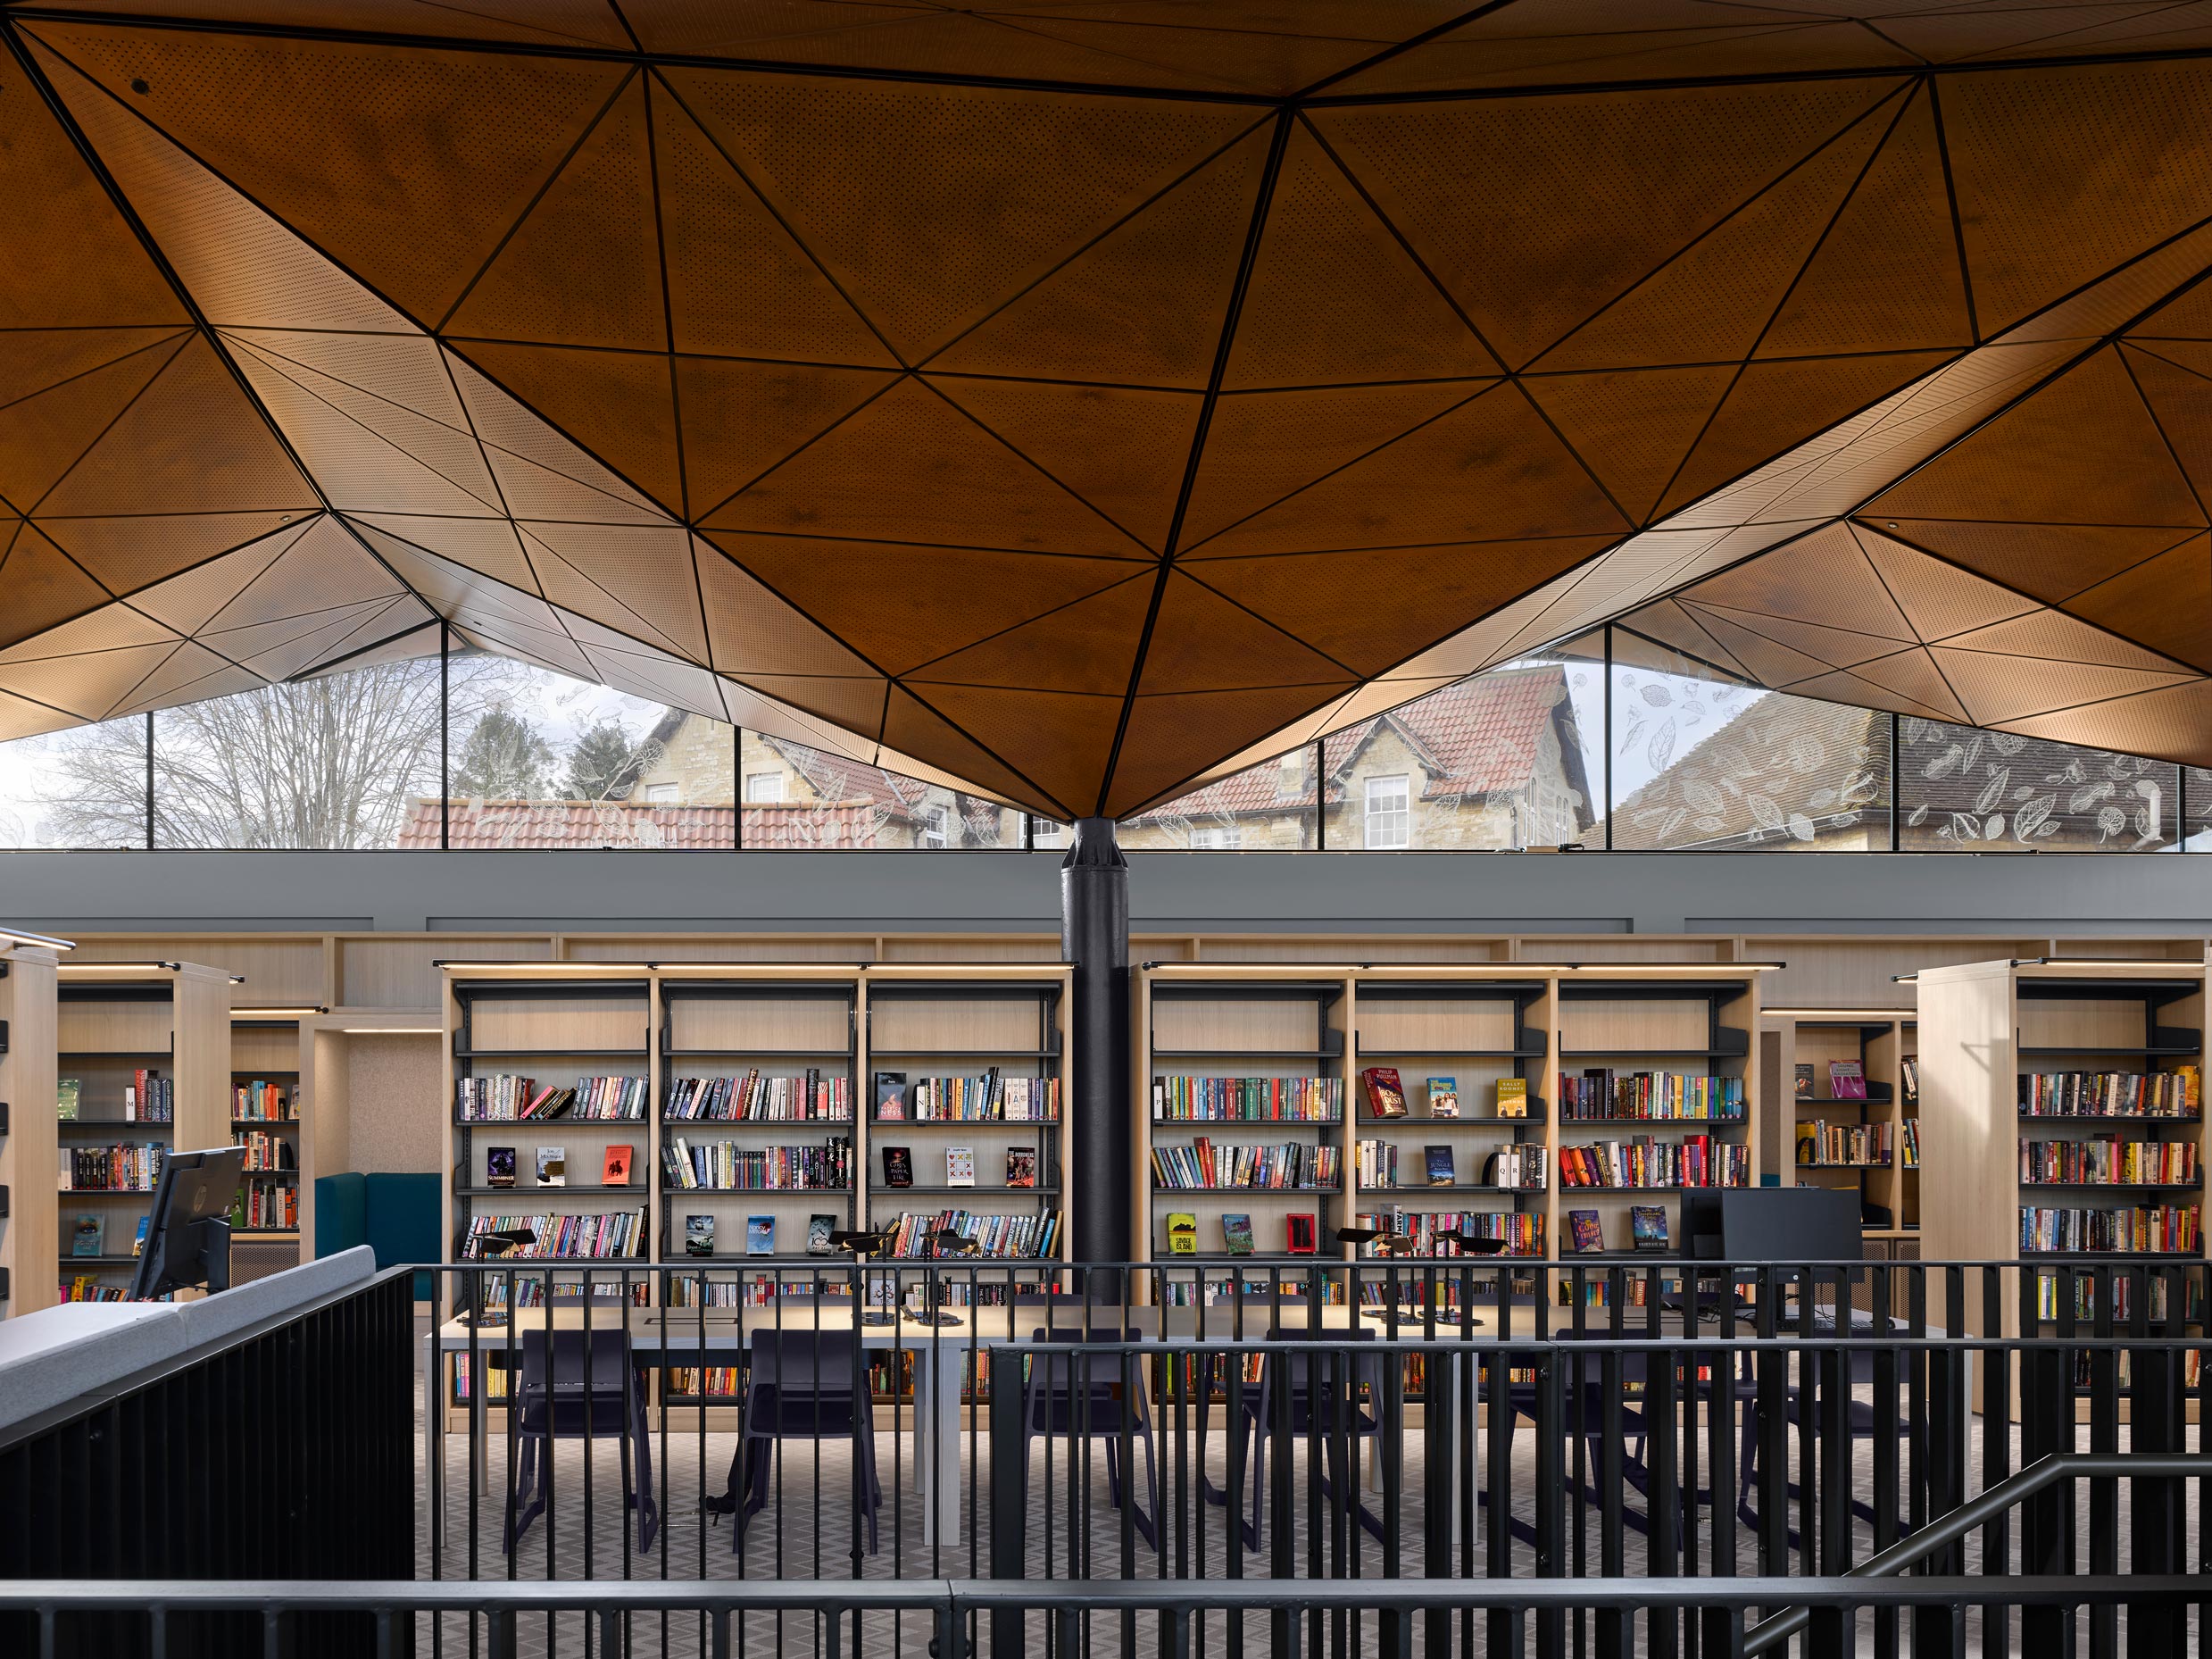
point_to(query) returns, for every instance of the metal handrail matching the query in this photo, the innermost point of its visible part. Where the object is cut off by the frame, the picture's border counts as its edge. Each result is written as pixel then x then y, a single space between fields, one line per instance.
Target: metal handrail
pixel 1979 1512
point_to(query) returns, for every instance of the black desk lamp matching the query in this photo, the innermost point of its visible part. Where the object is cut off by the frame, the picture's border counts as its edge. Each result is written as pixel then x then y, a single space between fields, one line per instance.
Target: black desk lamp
pixel 862 1245
pixel 507 1242
pixel 1386 1243
pixel 943 1243
pixel 1464 1244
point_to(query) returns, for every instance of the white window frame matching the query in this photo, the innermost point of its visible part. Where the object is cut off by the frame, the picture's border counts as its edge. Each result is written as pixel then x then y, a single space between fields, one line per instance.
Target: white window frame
pixel 664 794
pixel 764 788
pixel 936 821
pixel 1389 823
pixel 1217 838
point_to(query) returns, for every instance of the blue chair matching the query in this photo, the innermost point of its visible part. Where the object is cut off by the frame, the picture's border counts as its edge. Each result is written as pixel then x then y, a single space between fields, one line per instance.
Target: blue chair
pixel 1057 1382
pixel 567 1391
pixel 804 1388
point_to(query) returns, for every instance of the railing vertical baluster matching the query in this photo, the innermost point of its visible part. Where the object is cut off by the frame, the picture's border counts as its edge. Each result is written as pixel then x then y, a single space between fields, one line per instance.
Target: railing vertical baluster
pixel 1612 1625
pixel 1666 1497
pixel 2104 1436
pixel 1551 1494
pixel 1721 1633
pixel 1441 1426
pixel 2157 1525
pixel 1885 1436
pixel 1009 1497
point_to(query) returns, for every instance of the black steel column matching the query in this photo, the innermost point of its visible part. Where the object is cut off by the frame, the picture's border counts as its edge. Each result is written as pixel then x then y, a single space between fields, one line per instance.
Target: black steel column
pixel 1094 936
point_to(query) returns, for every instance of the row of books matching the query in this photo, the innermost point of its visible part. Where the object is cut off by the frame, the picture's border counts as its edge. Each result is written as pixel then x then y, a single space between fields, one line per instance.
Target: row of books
pixel 1694 1160
pixel 614 1234
pixel 727 1166
pixel 266 1152
pixel 755 1098
pixel 2111 1094
pixel 266 1103
pixel 700 1234
pixel 1248 1099
pixel 503 1100
pixel 1523 1234
pixel 1909 1146
pixel 264 1206
pixel 960 1166
pixel 111 1169
pixel 1647 1228
pixel 89 1235
pixel 1005 1238
pixel 2125 1299
pixel 149 1097
pixel 2107 1160
pixel 1847 1080
pixel 986 1098
pixel 1600 1092
pixel 1386 1096
pixel 2165 1229
pixel 1290 1166
pixel 1301 1234
pixel 1821 1143
pixel 84 1287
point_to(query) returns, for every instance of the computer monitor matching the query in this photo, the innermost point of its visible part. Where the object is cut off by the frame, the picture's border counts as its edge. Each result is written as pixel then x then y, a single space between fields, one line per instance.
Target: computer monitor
pixel 1790 1224
pixel 188 1238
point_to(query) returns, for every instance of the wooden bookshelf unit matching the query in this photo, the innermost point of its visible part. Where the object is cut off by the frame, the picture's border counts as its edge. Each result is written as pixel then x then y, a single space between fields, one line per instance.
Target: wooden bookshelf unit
pixel 114 1021
pixel 1983 1027
pixel 681 1025
pixel 1879 1041
pixel 29 1134
pixel 275 1206
pixel 1476 1024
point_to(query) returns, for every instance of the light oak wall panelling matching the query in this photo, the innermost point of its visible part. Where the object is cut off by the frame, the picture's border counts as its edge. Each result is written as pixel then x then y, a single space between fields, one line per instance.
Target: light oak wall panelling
pixel 384 970
pixel 1853 971
pixel 28 1150
pixel 1601 1030
pixel 1969 1130
pixel 765 1022
pixel 1337 948
pixel 1613 948
pixel 120 1028
pixel 905 1032
pixel 203 1031
pixel 717 948
pixel 934 947
pixel 265 1049
pixel 276 967
pixel 535 1027
pixel 1160 947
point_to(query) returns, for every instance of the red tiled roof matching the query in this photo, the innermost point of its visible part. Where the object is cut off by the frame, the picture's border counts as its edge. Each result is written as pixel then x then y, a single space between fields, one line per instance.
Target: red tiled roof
pixel 476 825
pixel 1479 737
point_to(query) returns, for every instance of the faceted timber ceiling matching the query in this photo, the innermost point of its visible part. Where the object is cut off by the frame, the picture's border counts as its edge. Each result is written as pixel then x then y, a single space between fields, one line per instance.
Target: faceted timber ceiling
pixel 1075 400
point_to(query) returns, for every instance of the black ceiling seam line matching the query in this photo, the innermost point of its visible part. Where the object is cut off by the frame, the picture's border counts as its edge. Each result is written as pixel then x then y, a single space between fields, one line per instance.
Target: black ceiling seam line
pixel 1374 60
pixel 2120 355
pixel 1278 145
pixel 1134 91
pixel 1950 196
pixel 893 378
pixel 1137 571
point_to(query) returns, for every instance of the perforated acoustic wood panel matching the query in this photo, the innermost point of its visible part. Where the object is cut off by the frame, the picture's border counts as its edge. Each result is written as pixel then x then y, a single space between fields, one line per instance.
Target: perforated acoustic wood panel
pixel 1075 402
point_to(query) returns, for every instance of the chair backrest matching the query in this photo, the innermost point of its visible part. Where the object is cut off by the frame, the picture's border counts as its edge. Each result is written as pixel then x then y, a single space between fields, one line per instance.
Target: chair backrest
pixel 798 1363
pixel 595 1380
pixel 1301 1372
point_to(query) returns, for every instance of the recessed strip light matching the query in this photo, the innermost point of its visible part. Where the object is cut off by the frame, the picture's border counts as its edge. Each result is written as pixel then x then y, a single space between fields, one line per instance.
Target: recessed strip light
pixel 17 936
pixel 393 1031
pixel 120 967
pixel 1848 1016
pixel 276 1013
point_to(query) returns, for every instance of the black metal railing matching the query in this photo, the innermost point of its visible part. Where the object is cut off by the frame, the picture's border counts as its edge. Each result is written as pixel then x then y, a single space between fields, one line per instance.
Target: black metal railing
pixel 950 1618
pixel 285 1450
pixel 1284 1439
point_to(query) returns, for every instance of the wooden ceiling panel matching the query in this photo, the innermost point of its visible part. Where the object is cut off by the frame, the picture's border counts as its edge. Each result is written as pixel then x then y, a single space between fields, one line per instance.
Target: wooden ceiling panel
pixel 900 606
pixel 1335 297
pixel 1079 437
